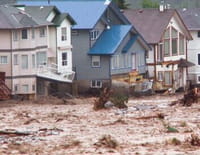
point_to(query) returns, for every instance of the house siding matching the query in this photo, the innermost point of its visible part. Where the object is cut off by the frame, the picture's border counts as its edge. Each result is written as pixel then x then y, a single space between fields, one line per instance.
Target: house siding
pixel 136 49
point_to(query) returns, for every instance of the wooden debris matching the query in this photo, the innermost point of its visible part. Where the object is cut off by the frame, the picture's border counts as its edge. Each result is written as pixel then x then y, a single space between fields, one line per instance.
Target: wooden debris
pixel 12 132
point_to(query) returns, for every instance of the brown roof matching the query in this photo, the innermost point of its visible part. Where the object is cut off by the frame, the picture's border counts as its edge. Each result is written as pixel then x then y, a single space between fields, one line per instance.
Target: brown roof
pixel 151 23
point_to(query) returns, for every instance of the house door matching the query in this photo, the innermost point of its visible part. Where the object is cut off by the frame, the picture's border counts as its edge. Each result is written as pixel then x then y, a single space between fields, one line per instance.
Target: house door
pixel 134 61
pixel 2 76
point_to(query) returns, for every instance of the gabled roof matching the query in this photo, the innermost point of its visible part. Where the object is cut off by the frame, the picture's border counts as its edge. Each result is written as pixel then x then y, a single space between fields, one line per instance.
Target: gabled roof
pixel 13 18
pixel 191 17
pixel 86 13
pixel 151 23
pixel 42 12
pixel 110 40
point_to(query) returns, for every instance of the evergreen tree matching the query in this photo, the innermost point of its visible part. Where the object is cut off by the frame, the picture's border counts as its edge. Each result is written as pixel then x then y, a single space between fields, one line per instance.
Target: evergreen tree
pixel 122 4
pixel 149 4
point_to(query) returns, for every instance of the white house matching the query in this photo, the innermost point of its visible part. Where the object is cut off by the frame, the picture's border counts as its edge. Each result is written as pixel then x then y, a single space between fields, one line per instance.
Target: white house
pixel 168 36
pixel 191 17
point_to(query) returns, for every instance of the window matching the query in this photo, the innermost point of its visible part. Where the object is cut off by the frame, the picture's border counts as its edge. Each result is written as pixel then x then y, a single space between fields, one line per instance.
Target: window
pixel 24 34
pixel 198 34
pixel 16 88
pixel 181 44
pixel 33 87
pixel 25 88
pixel 32 33
pixel 41 58
pixel 198 59
pixel 42 32
pixel 64 59
pixel 174 42
pixel 63 33
pixel 96 84
pixel 33 60
pixel 94 34
pixel 115 62
pixel 3 60
pixel 95 61
pixel 160 52
pixel 160 76
pixel 15 35
pixel 24 61
pixel 16 59
pixel 166 43
pixel 168 78
pixel 198 78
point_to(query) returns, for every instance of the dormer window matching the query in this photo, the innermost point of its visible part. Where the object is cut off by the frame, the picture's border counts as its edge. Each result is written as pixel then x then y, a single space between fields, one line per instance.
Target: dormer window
pixel 94 34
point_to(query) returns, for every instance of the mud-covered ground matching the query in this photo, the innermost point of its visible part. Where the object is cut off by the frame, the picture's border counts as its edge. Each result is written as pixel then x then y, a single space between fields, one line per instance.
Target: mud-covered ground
pixel 51 126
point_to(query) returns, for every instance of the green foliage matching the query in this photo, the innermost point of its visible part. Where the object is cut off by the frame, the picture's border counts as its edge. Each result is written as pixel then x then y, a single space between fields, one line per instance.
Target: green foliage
pixel 122 4
pixel 149 4
pixel 119 100
pixel 171 129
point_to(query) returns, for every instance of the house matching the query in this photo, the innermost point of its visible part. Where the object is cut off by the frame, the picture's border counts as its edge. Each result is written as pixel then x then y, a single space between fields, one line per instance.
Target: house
pixel 191 18
pixel 168 36
pixel 28 48
pixel 105 45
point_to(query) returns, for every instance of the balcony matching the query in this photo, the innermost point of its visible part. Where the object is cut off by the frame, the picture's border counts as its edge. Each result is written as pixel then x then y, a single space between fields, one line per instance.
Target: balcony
pixel 51 72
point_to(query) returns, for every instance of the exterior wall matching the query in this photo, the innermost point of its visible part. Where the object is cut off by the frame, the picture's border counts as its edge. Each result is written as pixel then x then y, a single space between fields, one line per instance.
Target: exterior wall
pixel 5 41
pixel 139 52
pixel 64 46
pixel 193 51
pixel 18 78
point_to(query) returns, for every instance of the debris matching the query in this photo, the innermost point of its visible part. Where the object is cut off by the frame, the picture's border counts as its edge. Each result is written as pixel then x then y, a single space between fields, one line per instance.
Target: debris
pixel 14 132
pixel 194 140
pixel 108 104
pixel 107 141
pixel 159 115
pixel 31 120
pixel 171 129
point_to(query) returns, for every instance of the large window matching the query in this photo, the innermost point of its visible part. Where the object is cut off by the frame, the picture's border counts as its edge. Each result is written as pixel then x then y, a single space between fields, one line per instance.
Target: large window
pixel 42 32
pixel 41 58
pixel 15 35
pixel 115 62
pixel 3 60
pixel 181 44
pixel 174 42
pixel 16 62
pixel 160 76
pixel 24 34
pixel 25 88
pixel 64 59
pixel 33 60
pixel 160 52
pixel 167 43
pixel 63 33
pixel 24 61
pixel 33 33
pixel 168 78
pixel 94 34
pixel 96 61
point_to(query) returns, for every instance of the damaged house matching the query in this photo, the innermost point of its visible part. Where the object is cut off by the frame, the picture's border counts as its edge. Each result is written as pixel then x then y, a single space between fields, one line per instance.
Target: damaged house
pixel 106 47
pixel 35 49
pixel 168 36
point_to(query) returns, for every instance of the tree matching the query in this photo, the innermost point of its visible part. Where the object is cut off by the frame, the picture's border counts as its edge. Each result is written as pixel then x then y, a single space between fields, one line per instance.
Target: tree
pixel 149 4
pixel 122 4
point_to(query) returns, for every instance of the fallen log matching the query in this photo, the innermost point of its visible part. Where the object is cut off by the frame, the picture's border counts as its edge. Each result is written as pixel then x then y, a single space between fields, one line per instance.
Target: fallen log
pixel 12 132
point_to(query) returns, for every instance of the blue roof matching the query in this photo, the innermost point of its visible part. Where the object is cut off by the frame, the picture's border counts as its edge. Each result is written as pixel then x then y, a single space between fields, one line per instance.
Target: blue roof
pixel 109 40
pixel 86 13
pixel 130 43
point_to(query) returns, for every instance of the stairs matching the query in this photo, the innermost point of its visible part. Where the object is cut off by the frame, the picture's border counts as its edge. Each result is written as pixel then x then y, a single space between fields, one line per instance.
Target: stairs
pixel 5 92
